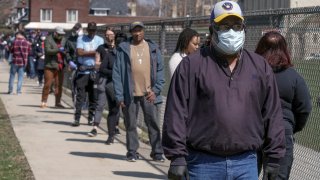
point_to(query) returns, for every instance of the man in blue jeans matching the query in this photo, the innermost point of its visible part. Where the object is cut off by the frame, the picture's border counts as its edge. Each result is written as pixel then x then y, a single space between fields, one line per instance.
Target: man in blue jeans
pixel 20 50
pixel 223 105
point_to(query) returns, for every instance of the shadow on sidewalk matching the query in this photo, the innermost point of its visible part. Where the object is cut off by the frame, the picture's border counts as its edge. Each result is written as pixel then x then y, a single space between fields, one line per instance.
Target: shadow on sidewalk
pixel 86 140
pixel 75 132
pixel 55 112
pixel 99 155
pixel 58 122
pixel 144 175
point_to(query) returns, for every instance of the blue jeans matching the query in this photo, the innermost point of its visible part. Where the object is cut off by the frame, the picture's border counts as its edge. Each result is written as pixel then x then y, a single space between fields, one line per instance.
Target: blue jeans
pixel 237 167
pixel 31 64
pixel 13 70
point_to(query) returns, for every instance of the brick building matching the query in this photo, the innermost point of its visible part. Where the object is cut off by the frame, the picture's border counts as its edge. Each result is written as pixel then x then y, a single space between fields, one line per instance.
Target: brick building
pixel 47 14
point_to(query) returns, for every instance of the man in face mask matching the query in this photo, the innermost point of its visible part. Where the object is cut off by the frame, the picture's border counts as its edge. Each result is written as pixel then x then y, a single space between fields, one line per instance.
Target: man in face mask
pixel 222 107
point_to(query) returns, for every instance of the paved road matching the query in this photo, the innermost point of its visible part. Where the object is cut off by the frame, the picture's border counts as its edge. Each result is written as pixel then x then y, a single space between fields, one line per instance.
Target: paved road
pixel 55 150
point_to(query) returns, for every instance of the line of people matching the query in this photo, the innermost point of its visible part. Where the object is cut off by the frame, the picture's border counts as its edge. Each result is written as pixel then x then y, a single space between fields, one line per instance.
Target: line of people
pixel 229 112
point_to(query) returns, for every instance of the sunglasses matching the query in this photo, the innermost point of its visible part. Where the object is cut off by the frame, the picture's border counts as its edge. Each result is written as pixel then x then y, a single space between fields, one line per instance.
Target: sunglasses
pixel 225 27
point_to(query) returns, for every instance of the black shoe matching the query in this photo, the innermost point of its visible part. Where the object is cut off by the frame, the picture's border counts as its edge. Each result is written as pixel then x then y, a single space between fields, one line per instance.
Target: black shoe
pixel 110 140
pixel 75 123
pixel 90 121
pixel 92 133
pixel 117 131
pixel 158 157
pixel 59 106
pixel 132 156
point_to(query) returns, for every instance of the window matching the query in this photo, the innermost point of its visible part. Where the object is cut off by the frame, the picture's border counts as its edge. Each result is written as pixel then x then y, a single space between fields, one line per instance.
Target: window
pixel 72 16
pixel 45 15
pixel 101 12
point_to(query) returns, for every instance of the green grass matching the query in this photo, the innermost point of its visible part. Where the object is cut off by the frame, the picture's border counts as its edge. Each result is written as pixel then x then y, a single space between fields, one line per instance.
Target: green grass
pixel 310 135
pixel 13 163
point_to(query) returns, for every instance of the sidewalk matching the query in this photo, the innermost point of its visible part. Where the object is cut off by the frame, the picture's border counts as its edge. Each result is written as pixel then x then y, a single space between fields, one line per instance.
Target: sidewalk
pixel 55 150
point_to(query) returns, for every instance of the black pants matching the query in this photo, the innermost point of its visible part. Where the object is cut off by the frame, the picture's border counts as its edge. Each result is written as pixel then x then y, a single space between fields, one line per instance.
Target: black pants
pixel 285 162
pixel 114 114
pixel 85 85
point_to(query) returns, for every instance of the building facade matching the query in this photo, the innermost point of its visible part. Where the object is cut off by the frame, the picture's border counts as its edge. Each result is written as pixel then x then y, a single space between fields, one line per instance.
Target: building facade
pixel 47 14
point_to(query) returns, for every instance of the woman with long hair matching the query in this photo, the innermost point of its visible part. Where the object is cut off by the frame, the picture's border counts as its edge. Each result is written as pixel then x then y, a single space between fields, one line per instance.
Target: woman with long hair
pixel 187 43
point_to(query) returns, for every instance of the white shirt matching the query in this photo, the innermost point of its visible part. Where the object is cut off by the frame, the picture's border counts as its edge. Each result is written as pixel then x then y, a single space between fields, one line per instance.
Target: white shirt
pixel 175 61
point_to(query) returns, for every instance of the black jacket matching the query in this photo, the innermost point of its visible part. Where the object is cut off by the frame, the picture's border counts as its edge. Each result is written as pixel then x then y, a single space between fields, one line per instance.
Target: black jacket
pixel 213 110
pixel 295 99
pixel 108 57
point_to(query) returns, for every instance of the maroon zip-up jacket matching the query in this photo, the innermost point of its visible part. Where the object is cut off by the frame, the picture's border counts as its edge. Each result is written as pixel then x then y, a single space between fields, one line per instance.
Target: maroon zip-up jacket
pixel 212 110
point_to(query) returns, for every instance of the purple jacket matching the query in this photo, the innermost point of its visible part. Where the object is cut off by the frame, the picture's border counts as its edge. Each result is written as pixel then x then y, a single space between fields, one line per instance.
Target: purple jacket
pixel 212 110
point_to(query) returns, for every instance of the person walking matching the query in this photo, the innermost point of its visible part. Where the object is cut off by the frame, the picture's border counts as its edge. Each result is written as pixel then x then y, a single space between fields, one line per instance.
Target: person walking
pixel 188 42
pixel 84 81
pixel 40 56
pixel 54 64
pixel 222 106
pixel 20 50
pixel 294 94
pixel 138 79
pixel 105 58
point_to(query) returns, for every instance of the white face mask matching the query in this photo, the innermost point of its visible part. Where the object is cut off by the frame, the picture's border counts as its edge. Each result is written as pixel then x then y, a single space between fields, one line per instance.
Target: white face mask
pixel 43 38
pixel 80 32
pixel 230 42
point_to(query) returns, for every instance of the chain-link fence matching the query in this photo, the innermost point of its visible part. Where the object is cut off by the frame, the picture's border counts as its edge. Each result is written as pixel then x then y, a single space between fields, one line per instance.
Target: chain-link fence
pixel 301 27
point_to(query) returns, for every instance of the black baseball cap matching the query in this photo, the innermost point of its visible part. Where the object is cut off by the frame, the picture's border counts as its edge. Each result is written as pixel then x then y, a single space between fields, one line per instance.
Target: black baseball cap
pixel 92 26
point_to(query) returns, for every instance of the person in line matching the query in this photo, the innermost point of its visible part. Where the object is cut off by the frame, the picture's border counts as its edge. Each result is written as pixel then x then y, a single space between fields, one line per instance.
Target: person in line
pixel 86 50
pixel 71 56
pixel 105 58
pixel 110 38
pixel 223 105
pixel 31 68
pixel 40 56
pixel 20 50
pixel 188 42
pixel 53 66
pixel 138 79
pixel 294 94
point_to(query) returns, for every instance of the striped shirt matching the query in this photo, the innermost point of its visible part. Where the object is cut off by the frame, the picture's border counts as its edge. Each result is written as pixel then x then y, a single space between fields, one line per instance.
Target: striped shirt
pixel 20 51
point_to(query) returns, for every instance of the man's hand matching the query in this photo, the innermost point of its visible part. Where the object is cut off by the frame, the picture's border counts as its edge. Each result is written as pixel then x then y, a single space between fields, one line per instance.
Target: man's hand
pixel 178 173
pixel 270 172
pixel 151 97
pixel 122 105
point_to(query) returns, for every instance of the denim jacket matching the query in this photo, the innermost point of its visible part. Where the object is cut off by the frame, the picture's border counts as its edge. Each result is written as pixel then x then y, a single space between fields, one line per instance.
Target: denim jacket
pixel 121 74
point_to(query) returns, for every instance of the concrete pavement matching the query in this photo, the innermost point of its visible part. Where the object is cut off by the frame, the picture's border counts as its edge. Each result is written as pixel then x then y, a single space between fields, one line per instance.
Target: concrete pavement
pixel 55 150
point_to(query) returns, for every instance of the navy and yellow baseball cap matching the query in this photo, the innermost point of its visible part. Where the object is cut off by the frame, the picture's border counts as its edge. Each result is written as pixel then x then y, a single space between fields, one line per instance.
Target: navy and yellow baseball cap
pixel 224 9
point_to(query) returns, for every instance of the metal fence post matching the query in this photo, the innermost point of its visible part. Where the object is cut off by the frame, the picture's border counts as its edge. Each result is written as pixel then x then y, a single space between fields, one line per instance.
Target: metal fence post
pixel 163 38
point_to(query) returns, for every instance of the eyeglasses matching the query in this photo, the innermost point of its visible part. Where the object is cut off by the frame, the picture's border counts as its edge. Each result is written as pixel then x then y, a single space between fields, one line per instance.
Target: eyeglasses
pixel 225 27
